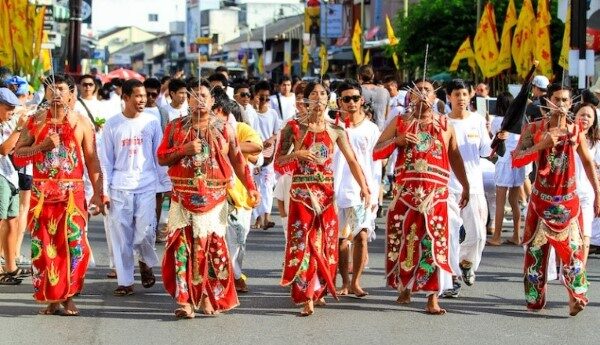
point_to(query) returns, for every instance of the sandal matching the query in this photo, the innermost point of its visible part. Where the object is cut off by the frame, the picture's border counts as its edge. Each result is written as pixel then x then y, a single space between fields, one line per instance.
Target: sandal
pixel 148 278
pixel 21 272
pixel 122 291
pixel 268 225
pixel 9 279
pixel 181 313
pixel 111 275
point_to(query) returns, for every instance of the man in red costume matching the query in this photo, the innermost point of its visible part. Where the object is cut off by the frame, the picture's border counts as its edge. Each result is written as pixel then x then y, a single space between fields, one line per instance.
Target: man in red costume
pixel 554 217
pixel 417 224
pixel 59 142
pixel 202 154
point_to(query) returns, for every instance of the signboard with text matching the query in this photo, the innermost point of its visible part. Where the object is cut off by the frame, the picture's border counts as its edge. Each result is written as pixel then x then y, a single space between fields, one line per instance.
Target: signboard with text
pixel 332 20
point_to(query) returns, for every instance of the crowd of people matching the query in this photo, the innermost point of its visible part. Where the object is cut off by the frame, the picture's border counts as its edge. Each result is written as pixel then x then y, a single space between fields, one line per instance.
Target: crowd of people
pixel 327 153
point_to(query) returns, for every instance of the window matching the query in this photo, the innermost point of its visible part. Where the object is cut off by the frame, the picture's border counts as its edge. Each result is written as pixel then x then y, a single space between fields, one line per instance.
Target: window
pixel 152 17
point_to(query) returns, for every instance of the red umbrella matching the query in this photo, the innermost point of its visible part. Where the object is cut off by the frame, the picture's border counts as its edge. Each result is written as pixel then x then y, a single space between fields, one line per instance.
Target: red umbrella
pixel 122 73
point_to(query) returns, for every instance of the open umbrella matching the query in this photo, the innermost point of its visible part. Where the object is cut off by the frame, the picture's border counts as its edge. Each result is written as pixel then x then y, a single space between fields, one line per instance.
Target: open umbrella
pixel 122 73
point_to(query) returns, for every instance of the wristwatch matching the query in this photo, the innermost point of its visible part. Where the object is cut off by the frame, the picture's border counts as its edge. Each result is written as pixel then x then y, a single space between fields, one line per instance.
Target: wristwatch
pixel 18 129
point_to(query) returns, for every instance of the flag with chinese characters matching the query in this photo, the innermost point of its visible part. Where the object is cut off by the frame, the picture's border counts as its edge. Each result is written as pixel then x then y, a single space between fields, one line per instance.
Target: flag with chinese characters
pixel 510 20
pixel 19 33
pixel 542 51
pixel 356 43
pixel 523 39
pixel 563 60
pixel 464 52
pixel 486 43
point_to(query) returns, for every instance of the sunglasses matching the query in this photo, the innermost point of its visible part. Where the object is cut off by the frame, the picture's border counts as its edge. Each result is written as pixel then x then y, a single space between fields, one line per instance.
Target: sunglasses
pixel 245 94
pixel 346 99
pixel 263 98
pixel 152 94
pixel 87 84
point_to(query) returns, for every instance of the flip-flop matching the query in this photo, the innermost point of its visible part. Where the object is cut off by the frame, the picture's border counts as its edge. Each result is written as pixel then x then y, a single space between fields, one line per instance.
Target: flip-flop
pixel 9 279
pixel 122 291
pixel 268 225
pixel 181 313
pixel 111 275
pixel 148 278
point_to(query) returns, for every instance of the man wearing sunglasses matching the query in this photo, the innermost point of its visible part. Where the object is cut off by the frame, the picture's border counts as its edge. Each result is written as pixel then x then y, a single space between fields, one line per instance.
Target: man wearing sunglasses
pixel 87 102
pixel 242 96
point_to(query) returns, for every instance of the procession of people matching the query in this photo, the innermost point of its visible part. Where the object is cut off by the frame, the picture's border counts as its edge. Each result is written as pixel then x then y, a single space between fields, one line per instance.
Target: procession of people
pixel 221 152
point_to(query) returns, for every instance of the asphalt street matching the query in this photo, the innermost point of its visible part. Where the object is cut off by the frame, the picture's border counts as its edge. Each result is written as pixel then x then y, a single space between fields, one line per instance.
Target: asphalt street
pixel 490 312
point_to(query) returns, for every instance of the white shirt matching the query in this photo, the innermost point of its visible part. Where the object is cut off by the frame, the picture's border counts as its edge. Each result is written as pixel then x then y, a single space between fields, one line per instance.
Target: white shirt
pixel 176 113
pixel 128 156
pixel 153 111
pixel 362 139
pixel 288 106
pixel 510 143
pixel 397 106
pixel 250 115
pixel 267 124
pixel 585 188
pixel 473 142
pixel 96 107
pixel 7 169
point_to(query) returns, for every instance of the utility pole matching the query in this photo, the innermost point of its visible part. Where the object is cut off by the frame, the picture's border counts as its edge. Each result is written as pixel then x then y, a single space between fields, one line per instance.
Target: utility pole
pixel 74 47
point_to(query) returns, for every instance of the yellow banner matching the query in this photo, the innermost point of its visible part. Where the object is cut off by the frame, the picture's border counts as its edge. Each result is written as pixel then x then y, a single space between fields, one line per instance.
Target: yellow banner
pixel 510 20
pixel 543 52
pixel 523 40
pixel 19 33
pixel 324 61
pixel 464 52
pixel 390 32
pixel 486 43
pixel 305 60
pixel 563 60
pixel 367 58
pixel 6 51
pixel 396 62
pixel 356 43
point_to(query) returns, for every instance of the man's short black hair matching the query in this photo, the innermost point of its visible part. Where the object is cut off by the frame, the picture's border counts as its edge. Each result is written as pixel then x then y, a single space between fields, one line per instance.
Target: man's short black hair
pixel 218 77
pixel 348 84
pixel 176 85
pixel 86 76
pixel 389 79
pixel 239 86
pixel 131 84
pixel 284 79
pixel 456 84
pixel 117 82
pixel 152 83
pixel 221 100
pixel 60 79
pixel 221 69
pixel 262 85
pixel 193 83
pixel 164 79
pixel 552 88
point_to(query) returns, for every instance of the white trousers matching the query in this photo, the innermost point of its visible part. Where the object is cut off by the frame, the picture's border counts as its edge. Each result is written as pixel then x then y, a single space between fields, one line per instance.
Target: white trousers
pixel 265 181
pixel 474 217
pixel 132 229
pixel 237 233
pixel 106 223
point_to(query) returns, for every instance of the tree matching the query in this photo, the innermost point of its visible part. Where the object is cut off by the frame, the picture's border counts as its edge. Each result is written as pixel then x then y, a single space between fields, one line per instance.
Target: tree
pixel 444 24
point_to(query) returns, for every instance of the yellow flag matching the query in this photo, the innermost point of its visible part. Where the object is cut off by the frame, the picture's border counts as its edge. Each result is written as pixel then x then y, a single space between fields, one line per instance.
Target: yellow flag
pixel 523 40
pixel 305 59
pixel 356 43
pixel 396 62
pixel 324 61
pixel 45 55
pixel 390 32
pixel 18 31
pixel 510 20
pixel 464 52
pixel 38 31
pixel 486 43
pixel 6 50
pixel 367 58
pixel 261 64
pixel 542 51
pixel 563 60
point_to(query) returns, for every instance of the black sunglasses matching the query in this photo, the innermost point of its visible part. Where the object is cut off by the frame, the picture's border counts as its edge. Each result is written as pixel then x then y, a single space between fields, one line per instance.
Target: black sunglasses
pixel 263 98
pixel 346 99
pixel 152 94
pixel 87 84
pixel 245 94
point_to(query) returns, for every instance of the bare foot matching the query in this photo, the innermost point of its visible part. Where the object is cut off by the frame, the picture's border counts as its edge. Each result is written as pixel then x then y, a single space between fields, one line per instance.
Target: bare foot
pixel 51 309
pixel 206 306
pixel 404 297
pixel 185 312
pixel 308 309
pixel 69 308
pixel 575 307
pixel 320 302
pixel 493 242
pixel 343 291
pixel 358 291
pixel 433 308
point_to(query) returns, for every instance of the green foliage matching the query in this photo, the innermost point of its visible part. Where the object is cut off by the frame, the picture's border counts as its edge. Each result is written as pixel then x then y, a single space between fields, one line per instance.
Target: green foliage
pixel 444 24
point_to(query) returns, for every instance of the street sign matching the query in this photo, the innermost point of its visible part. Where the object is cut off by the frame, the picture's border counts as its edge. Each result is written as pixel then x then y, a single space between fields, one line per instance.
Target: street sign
pixel 332 20
pixel 203 40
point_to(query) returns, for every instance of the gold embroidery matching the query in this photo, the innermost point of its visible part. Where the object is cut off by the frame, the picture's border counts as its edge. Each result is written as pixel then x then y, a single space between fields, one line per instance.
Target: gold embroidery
pixel 412 238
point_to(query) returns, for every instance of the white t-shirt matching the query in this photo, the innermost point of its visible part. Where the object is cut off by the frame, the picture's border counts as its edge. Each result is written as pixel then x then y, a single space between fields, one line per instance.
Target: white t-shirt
pixel 282 190
pixel 96 107
pixel 128 156
pixel 288 106
pixel 362 139
pixel 584 186
pixel 7 169
pixel 267 124
pixel 250 115
pixel 397 106
pixel 510 143
pixel 176 113
pixel 153 111
pixel 473 142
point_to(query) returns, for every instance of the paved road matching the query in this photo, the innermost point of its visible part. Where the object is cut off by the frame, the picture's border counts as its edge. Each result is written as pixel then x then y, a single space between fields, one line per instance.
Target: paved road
pixel 491 312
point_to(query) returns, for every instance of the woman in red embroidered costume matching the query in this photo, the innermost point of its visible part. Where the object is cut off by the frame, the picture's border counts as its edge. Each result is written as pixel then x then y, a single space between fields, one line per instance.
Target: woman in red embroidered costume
pixel 311 252
pixel 202 154
pixel 58 143
pixel 553 217
pixel 417 223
